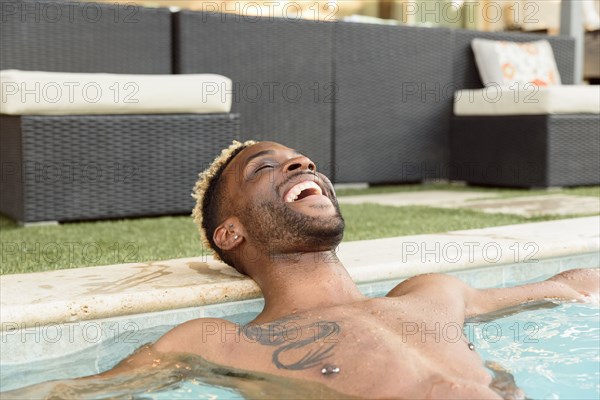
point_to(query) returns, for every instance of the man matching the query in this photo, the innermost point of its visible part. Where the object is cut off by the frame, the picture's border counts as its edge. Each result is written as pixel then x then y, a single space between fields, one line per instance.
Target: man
pixel 266 211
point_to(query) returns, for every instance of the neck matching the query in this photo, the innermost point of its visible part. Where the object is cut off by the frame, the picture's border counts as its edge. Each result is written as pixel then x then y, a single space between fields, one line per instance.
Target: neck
pixel 294 283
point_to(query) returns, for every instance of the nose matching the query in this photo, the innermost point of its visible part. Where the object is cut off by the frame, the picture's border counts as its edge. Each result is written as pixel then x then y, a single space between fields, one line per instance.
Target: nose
pixel 300 163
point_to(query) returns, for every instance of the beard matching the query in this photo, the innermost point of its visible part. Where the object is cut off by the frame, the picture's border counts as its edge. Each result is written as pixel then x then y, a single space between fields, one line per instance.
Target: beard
pixel 278 229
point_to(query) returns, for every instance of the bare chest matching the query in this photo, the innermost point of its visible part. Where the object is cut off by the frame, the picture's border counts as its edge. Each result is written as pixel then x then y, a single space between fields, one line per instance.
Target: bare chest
pixel 372 349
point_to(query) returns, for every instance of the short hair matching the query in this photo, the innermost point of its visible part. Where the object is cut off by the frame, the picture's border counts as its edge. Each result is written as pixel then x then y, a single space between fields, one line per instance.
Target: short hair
pixel 208 191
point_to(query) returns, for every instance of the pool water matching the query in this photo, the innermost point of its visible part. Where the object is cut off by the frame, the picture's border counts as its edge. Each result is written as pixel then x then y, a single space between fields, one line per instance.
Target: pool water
pixel 553 353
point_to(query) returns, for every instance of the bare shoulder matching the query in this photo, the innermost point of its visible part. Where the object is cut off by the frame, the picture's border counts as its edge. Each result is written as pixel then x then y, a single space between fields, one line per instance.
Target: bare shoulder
pixel 430 284
pixel 201 336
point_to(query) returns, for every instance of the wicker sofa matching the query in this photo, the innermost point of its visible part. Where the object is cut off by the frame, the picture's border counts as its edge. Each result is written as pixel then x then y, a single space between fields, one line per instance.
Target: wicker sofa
pixel 77 167
pixel 376 103
pixel 282 72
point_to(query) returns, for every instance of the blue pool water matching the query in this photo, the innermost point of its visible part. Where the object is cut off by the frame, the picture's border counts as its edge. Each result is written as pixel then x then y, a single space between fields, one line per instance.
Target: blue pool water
pixel 553 352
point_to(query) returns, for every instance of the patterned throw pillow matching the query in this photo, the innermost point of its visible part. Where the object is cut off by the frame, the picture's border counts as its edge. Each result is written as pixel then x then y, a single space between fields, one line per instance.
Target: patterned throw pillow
pixel 508 63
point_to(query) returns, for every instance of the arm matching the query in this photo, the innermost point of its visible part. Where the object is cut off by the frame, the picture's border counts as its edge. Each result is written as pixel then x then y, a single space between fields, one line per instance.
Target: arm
pixel 152 366
pixel 577 284
pixel 580 284
pixel 144 371
pixel 136 373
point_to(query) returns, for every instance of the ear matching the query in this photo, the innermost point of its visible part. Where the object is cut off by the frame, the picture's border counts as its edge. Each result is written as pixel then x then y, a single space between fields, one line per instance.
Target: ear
pixel 229 234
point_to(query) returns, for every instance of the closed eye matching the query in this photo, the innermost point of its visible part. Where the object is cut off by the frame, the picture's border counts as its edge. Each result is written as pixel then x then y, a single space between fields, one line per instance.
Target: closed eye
pixel 263 167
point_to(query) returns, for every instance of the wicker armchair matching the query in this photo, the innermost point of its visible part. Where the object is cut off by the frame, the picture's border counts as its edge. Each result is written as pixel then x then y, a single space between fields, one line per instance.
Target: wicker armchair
pixel 522 150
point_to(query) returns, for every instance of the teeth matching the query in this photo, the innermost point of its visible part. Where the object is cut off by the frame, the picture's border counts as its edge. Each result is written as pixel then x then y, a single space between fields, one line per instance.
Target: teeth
pixel 295 191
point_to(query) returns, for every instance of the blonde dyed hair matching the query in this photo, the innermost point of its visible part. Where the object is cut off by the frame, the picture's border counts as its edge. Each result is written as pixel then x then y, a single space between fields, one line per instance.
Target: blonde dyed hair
pixel 207 179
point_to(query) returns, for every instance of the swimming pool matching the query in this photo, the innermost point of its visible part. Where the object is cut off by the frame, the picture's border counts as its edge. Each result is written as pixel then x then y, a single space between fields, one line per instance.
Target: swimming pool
pixel 553 353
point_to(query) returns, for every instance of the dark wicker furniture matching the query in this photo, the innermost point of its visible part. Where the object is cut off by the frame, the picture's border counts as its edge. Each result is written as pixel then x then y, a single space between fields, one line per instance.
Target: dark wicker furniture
pixel 392 96
pixel 64 168
pixel 281 71
pixel 84 37
pixel 522 150
pixel 396 87
pixel 526 150
pixel 393 104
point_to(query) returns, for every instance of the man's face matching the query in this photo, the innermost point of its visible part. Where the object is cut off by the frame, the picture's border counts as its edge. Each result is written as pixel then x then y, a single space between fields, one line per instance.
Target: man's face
pixel 285 205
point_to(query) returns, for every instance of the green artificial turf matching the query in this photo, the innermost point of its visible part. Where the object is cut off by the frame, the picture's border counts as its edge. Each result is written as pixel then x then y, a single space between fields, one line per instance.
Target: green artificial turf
pixel 370 221
pixel 593 191
pixel 72 245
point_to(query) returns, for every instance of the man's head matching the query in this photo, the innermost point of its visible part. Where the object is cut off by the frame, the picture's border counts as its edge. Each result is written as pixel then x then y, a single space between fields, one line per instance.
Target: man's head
pixel 266 198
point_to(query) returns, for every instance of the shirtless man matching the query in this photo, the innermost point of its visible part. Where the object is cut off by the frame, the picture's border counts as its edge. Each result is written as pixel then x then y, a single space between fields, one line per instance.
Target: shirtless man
pixel 266 211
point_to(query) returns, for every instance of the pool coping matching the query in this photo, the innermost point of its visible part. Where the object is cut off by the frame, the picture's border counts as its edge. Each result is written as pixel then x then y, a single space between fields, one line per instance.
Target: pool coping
pixel 29 300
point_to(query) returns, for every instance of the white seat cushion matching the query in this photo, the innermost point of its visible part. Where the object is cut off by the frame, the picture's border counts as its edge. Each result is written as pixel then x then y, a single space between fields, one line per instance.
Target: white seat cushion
pixel 59 93
pixel 494 100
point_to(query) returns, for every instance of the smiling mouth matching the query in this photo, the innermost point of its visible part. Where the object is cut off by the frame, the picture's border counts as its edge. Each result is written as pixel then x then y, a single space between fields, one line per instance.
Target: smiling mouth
pixel 301 191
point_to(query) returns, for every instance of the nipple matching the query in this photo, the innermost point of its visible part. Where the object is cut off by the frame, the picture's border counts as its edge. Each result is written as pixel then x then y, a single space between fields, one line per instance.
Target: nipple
pixel 330 369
